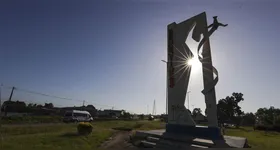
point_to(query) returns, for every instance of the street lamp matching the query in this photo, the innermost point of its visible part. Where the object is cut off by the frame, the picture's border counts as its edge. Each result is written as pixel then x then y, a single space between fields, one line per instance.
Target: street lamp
pixel 166 87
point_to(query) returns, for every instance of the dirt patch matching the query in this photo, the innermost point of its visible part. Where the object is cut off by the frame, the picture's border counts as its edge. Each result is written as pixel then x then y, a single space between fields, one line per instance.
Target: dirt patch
pixel 119 141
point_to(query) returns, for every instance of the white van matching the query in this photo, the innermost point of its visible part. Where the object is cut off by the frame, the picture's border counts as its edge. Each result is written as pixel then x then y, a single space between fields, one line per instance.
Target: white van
pixel 77 116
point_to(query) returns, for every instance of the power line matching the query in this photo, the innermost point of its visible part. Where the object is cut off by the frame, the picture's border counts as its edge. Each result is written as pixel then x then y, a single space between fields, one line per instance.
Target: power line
pixel 59 97
pixel 54 96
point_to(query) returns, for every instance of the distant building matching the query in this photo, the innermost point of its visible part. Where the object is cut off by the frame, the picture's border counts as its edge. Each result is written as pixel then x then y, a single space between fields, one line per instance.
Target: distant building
pixel 136 117
pixel 90 108
pixel 110 113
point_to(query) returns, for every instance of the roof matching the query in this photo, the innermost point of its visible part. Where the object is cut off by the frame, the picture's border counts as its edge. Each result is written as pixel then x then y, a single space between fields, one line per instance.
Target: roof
pixel 79 111
pixel 113 110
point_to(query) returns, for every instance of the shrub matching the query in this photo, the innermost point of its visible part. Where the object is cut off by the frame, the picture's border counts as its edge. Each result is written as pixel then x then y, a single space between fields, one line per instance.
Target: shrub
pixel 84 128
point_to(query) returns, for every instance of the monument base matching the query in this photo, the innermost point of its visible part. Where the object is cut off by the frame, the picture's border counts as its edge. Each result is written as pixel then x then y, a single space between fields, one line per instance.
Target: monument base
pixel 163 139
pixel 205 132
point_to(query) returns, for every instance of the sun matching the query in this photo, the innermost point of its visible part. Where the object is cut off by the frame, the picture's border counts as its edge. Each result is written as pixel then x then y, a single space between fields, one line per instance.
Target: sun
pixel 194 63
pixel 190 62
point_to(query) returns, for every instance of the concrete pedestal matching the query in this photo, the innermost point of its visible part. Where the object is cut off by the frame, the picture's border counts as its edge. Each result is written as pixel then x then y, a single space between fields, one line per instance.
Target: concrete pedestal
pixel 213 133
pixel 162 139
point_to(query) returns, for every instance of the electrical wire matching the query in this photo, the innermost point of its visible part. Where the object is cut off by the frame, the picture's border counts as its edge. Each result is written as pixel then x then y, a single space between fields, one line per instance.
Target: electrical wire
pixel 59 97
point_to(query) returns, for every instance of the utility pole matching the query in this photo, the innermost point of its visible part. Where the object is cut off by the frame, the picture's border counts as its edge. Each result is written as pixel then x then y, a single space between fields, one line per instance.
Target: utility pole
pixel 188 93
pixel 154 108
pixel 83 102
pixel 0 109
pixel 1 113
pixel 166 93
pixel 12 93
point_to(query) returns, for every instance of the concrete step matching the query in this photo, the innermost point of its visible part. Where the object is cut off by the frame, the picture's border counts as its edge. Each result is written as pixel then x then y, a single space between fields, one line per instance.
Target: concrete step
pixel 178 144
pixel 235 142
pixel 152 142
pixel 196 141
pixel 152 139
pixel 148 144
pixel 203 142
pixel 173 144
pixel 200 142
pixel 198 146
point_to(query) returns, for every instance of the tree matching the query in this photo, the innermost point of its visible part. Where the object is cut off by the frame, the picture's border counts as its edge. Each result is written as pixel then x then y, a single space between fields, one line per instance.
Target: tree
pixel 13 106
pixel 248 119
pixel 34 105
pixel 48 105
pixel 126 115
pixel 196 111
pixel 269 116
pixel 228 110
pixel 30 105
pixel 39 106
pixel 141 116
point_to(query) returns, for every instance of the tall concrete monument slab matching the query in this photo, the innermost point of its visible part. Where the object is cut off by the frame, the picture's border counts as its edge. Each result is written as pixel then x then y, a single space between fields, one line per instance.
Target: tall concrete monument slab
pixel 178 70
pixel 181 128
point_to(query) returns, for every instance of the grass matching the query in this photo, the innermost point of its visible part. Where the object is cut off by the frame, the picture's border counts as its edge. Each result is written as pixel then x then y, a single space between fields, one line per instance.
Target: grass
pixel 64 136
pixel 31 119
pixel 54 140
pixel 257 139
pixel 34 129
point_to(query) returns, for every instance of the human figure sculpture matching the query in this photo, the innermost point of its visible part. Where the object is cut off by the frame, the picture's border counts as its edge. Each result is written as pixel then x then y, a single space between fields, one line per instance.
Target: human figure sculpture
pixel 216 24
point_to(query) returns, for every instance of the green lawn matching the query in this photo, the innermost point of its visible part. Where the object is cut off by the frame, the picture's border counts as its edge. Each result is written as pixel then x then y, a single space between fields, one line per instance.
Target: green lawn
pixel 257 139
pixel 63 136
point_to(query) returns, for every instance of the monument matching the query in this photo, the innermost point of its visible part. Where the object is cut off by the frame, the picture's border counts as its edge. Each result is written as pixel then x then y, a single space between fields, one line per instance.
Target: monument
pixel 178 70
pixel 180 125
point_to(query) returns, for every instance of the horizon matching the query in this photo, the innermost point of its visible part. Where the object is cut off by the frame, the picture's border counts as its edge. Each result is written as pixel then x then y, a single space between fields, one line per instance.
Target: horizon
pixel 109 53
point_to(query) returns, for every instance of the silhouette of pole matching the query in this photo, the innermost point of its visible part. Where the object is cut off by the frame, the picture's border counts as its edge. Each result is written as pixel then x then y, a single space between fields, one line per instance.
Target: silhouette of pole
pixel 1 112
pixel 10 98
pixel 154 108
pixel 166 93
pixel 0 108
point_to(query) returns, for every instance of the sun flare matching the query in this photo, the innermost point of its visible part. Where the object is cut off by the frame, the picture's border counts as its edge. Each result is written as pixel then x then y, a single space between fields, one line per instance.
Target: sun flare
pixel 190 62
pixel 194 63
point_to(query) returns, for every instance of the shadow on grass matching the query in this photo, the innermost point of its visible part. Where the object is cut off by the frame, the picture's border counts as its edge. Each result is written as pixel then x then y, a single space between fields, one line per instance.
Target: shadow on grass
pixel 269 133
pixel 129 127
pixel 122 128
pixel 70 134
pixel 240 128
pixel 138 125
pixel 244 129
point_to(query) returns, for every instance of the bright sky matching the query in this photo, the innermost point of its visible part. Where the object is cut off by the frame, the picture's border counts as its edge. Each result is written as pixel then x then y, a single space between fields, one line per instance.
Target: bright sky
pixel 110 52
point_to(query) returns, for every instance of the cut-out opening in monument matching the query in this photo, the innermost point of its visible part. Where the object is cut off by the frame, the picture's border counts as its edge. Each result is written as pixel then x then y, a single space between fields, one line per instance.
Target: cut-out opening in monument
pixel 195 99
